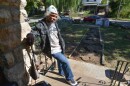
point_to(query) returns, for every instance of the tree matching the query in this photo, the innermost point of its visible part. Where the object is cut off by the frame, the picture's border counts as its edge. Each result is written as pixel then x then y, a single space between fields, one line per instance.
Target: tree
pixel 64 5
pixel 33 5
pixel 120 8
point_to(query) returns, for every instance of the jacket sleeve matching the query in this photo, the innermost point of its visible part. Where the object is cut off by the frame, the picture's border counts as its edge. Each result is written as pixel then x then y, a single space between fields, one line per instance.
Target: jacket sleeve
pixel 38 29
pixel 35 36
pixel 41 34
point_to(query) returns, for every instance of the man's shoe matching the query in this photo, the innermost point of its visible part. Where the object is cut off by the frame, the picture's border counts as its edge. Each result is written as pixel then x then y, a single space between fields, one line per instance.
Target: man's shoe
pixel 61 75
pixel 72 82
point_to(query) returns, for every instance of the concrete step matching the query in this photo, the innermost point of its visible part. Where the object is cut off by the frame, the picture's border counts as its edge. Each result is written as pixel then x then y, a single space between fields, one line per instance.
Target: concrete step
pixel 86 74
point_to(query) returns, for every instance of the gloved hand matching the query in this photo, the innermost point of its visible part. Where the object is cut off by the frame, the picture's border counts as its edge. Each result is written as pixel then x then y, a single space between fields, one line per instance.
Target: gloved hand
pixel 29 39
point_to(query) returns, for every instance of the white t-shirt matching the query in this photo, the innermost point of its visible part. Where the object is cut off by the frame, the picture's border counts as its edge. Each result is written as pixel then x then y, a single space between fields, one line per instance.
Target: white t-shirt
pixel 54 40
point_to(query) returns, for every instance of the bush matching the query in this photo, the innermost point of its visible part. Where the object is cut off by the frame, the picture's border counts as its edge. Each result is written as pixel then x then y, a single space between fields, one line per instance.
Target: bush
pixel 124 12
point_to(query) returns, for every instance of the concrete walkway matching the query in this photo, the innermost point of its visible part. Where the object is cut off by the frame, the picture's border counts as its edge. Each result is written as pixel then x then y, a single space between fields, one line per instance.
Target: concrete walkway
pixel 86 74
pixel 121 23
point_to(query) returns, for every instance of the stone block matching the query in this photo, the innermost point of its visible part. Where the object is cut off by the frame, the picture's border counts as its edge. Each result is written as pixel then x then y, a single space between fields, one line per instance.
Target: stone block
pixel 15 14
pixel 23 4
pixel 16 73
pixel 18 54
pixel 10 60
pixel 25 29
pixel 3 47
pixel 10 37
pixel 13 3
pixel 19 15
pixel 12 32
pixel 23 15
pixel 1 62
pixel 5 16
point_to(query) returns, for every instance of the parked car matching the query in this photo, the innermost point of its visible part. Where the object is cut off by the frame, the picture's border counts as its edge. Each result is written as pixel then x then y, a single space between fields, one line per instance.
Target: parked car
pixel 91 18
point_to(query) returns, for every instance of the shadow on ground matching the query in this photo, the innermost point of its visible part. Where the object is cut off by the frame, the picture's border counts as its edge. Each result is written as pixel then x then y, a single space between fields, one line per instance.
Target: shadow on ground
pixel 42 83
pixel 109 73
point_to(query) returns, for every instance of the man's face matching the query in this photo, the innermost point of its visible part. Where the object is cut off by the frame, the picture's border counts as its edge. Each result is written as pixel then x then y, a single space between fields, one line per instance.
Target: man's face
pixel 52 17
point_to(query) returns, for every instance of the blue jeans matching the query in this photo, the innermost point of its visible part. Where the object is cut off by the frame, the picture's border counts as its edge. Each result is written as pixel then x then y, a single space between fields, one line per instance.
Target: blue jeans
pixel 63 65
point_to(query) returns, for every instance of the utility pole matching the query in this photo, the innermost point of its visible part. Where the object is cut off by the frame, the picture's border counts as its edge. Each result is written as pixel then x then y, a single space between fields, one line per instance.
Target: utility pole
pixel 118 13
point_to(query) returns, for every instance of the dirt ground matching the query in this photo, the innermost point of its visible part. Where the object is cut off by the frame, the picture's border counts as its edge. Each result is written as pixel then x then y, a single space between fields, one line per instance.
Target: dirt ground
pixel 80 54
pixel 85 56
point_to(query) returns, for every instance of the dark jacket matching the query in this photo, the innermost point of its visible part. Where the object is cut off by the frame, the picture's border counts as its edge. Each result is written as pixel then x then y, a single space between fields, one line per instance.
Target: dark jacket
pixel 42 29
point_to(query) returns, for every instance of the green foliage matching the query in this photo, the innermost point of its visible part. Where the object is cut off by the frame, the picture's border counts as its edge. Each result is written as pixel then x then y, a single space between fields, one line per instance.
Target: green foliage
pixel 87 13
pixel 74 5
pixel 123 12
pixel 104 2
pixel 64 5
pixel 113 8
pixel 33 4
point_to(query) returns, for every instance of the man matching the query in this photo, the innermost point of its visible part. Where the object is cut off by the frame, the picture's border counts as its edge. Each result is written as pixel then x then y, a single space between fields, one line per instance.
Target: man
pixel 52 43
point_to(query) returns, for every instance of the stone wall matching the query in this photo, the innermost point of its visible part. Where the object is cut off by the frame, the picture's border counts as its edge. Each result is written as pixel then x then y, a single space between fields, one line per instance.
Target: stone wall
pixel 13 29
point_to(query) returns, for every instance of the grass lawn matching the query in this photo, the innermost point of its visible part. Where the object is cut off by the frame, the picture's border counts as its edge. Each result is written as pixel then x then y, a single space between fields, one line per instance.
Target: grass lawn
pixel 116 44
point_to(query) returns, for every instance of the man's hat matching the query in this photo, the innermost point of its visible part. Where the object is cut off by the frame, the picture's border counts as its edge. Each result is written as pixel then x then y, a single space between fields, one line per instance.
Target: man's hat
pixel 51 9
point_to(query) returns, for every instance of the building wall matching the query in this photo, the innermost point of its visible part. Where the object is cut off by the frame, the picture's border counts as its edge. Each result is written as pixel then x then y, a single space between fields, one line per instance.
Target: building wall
pixel 91 2
pixel 13 30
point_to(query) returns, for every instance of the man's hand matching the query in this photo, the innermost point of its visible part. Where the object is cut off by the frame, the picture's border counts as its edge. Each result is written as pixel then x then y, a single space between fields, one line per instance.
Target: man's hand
pixel 29 39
